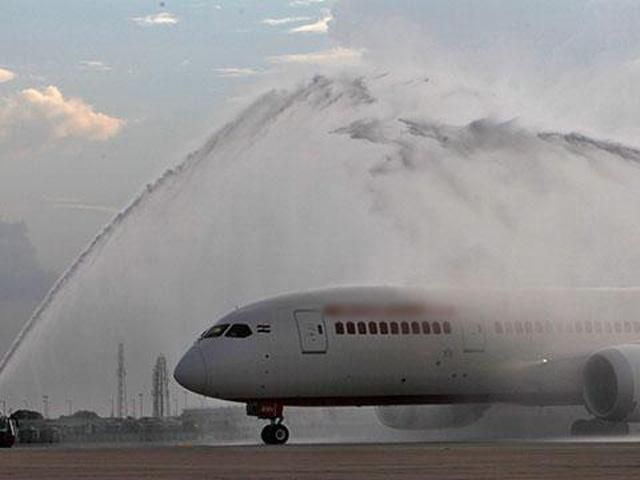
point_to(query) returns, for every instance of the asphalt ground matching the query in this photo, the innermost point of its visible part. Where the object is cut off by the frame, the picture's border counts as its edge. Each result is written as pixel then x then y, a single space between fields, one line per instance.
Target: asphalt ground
pixel 385 461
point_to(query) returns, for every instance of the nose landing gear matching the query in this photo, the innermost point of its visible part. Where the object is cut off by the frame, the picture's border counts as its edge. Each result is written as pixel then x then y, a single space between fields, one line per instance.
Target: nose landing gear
pixel 275 433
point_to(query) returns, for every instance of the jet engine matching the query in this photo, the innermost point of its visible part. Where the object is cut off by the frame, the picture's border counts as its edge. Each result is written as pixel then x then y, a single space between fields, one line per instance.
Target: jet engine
pixel 612 384
pixel 430 417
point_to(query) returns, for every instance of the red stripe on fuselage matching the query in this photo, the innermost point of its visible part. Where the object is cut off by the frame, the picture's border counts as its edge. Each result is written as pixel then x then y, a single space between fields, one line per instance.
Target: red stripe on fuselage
pixel 397 310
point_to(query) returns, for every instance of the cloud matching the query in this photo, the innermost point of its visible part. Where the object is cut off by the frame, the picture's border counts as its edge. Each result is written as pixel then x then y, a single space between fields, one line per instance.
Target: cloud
pixel 162 18
pixel 333 56
pixel 305 3
pixel 321 26
pixel 34 117
pixel 549 34
pixel 275 22
pixel 564 65
pixel 233 72
pixel 21 275
pixel 95 65
pixel 6 75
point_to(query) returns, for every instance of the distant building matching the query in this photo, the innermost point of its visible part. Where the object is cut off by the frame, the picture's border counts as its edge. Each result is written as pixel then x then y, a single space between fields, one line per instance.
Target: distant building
pixel 160 392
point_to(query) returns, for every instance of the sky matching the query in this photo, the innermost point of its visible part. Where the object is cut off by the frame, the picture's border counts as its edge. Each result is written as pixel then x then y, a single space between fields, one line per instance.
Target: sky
pixel 98 98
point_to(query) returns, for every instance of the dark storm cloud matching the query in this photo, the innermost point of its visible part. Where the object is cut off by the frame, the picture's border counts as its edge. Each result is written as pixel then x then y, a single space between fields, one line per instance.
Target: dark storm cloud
pixel 21 276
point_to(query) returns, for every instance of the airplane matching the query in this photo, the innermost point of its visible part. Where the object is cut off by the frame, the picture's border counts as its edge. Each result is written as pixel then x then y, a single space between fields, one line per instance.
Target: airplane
pixel 454 352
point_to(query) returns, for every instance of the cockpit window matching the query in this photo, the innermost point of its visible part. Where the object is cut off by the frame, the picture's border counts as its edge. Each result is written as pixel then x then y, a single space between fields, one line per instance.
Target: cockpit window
pixel 215 331
pixel 5 426
pixel 239 330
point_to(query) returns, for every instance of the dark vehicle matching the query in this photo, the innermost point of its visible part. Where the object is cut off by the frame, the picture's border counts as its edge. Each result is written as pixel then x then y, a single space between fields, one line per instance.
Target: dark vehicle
pixel 7 432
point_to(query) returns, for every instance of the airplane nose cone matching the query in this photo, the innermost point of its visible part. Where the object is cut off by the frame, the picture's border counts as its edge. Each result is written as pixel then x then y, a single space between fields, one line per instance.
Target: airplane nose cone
pixel 191 371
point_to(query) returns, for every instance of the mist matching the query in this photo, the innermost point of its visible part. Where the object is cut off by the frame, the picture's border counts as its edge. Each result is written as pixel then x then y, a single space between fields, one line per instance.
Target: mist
pixel 423 165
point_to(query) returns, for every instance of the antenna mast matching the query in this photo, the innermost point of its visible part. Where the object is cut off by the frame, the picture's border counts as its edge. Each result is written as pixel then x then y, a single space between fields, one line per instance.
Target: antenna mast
pixel 122 384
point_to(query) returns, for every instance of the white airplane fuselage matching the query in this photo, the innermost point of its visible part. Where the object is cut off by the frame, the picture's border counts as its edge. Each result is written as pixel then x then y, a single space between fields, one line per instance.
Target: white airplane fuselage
pixel 398 346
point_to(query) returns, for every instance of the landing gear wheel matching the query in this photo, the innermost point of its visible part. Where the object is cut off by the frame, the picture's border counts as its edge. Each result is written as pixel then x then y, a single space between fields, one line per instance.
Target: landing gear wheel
pixel 267 435
pixel 580 428
pixel 596 427
pixel 280 434
pixel 275 434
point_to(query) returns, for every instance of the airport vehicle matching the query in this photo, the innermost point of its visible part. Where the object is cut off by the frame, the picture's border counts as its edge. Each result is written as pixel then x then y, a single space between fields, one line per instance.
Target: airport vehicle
pixel 455 351
pixel 7 432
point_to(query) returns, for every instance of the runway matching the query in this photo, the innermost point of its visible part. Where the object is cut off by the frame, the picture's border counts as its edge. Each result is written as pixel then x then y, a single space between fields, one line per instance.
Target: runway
pixel 306 462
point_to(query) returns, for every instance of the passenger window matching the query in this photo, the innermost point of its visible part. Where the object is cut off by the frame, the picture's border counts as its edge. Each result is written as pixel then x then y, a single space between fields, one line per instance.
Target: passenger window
pixel 239 330
pixel 588 326
pixel 509 328
pixel 436 328
pixel 528 328
pixel 362 328
pixel 394 328
pixel 404 326
pixel 351 328
pixel 373 328
pixel 537 327
pixel 608 327
pixel 519 329
pixel 426 328
pixel 215 331
pixel 446 328
pixel 598 326
pixel 578 326
pixel 415 328
pixel 499 329
pixel 339 328
pixel 384 328
pixel 618 327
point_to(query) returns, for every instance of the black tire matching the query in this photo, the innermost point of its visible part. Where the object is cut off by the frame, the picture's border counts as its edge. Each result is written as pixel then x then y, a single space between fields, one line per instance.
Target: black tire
pixel 267 435
pixel 620 429
pixel 280 434
pixel 580 428
pixel 597 428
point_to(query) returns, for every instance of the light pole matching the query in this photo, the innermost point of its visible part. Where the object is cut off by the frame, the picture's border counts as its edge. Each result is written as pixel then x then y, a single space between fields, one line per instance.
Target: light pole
pixel 140 397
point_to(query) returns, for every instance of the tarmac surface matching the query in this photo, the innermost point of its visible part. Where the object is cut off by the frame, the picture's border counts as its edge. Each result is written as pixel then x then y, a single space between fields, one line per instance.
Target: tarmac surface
pixel 389 461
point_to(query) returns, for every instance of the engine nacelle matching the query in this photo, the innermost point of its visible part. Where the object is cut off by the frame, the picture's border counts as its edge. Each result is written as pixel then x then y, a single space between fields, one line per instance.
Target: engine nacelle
pixel 430 417
pixel 612 384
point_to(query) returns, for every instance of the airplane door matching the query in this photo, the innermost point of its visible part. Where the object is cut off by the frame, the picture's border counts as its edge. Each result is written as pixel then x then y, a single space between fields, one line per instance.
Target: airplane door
pixel 474 337
pixel 312 331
